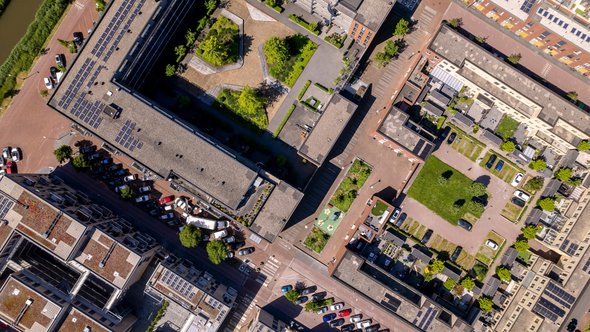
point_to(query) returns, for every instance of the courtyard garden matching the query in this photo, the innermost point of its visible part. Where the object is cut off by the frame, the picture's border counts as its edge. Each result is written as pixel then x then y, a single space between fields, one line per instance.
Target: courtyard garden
pixel 221 44
pixel 348 189
pixel 507 127
pixel 246 104
pixel 287 57
pixel 447 192
pixel 465 144
pixel 316 240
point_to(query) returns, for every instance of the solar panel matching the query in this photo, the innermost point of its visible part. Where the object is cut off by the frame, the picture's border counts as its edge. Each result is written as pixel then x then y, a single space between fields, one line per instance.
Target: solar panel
pixel 560 293
pixel 527 5
pixel 5 205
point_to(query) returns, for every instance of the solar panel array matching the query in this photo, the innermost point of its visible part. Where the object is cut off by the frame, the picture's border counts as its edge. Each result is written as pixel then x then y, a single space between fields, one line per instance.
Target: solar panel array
pixel 88 112
pixel 527 5
pixel 125 138
pixel 76 84
pixel 178 284
pixel 548 310
pixel 5 205
pixel 124 30
pixel 94 76
pixel 114 24
pixel 559 295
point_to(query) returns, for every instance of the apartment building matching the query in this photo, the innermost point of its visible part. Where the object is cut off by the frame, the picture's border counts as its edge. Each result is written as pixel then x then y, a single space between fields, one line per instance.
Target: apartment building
pixel 550 26
pixel 550 121
pixel 201 301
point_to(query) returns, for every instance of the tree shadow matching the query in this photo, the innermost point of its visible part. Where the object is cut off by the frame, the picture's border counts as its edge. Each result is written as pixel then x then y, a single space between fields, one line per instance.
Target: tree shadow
pixel 443 256
pixel 484 179
pixel 247 44
pixel 459 203
pixel 483 199
pixel 271 91
pixel 299 285
pixel 447 174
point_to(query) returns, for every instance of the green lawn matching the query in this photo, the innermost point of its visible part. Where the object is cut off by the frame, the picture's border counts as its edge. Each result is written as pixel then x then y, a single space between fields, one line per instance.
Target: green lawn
pixel 300 50
pixel 379 208
pixel 509 170
pixel 220 46
pixel 441 198
pixel 353 181
pixel 511 211
pixel 316 240
pixel 466 145
pixel 507 127
pixel 228 100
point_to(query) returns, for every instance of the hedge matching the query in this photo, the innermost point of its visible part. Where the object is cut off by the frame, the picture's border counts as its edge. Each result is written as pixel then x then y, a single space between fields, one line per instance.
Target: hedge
pixel 323 88
pixel 284 121
pixel 158 316
pixel 303 90
pixel 305 24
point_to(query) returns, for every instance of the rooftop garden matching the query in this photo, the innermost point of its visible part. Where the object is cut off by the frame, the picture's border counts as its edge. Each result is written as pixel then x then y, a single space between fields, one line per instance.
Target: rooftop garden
pixel 316 240
pixel 348 189
pixel 220 45
pixel 247 105
pixel 287 57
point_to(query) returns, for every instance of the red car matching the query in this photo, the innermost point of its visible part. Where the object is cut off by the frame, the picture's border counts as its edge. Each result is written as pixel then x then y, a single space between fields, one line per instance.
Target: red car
pixel 344 313
pixel 166 199
pixel 9 167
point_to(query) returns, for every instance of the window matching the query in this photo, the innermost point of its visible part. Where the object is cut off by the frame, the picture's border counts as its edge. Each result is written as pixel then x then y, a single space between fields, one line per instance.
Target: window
pixel 550 16
pixel 566 25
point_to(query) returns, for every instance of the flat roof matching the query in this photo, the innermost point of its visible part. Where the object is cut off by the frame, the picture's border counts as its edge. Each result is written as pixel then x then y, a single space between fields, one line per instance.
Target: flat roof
pixel 394 127
pixel 329 127
pixel 173 285
pixel 78 321
pixel 276 211
pixel 456 48
pixel 372 13
pixel 38 316
pixel 153 137
pixel 108 258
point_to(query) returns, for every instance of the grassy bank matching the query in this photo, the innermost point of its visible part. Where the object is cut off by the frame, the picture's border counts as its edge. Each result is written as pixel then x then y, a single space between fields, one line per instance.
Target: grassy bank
pixel 30 45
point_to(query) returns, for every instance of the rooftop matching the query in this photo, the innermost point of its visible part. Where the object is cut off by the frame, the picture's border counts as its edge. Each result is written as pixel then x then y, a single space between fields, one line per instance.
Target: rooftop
pixel 276 211
pixel 89 86
pixel 38 315
pixel 457 49
pixel 175 286
pixel 394 127
pixel 327 130
pixel 372 13
pixel 78 321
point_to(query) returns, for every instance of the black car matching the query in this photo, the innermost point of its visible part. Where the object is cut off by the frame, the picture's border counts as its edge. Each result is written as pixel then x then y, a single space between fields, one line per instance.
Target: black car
pixel 60 60
pixel 372 328
pixel 451 138
pixel 246 251
pixel 337 322
pixel 491 161
pixel 445 132
pixel 78 38
pixel 518 202
pixel 309 290
pixel 456 253
pixel 53 72
pixel 401 219
pixel 347 328
pixel 237 245
pixel 319 296
pixel 426 236
pixel 464 224
pixel 301 299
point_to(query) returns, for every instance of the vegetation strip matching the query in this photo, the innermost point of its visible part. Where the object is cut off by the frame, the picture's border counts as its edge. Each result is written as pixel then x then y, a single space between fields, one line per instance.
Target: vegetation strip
pixel 284 121
pixel 312 26
pixel 303 90
pixel 348 189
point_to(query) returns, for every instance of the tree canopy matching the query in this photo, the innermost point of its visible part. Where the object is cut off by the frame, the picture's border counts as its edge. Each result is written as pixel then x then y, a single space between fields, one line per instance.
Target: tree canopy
pixel 276 51
pixel 475 208
pixel 564 174
pixel 292 295
pixel 468 283
pixel 534 184
pixel 63 152
pixel 190 236
pixel 584 146
pixel 538 164
pixel 401 28
pixel 126 192
pixel 485 304
pixel 521 246
pixel 530 232
pixel 389 52
pixel 220 46
pixel 477 189
pixel 508 146
pixel 503 273
pixel 436 266
pixel 80 161
pixel 217 251
pixel 249 101
pixel 546 204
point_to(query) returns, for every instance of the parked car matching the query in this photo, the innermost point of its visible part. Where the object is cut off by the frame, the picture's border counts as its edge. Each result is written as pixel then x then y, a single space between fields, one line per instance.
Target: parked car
pixel 401 219
pixel 53 73
pixel 122 187
pixel 94 156
pixel 309 290
pixel 373 328
pixel 395 215
pixel 456 253
pixel 238 245
pixel 337 322
pixel 15 153
pixel 119 172
pixel 219 234
pixel 286 288
pixel 322 310
pixel 329 317
pixel 48 83
pixel 491 161
pixel 230 254
pixel 105 161
pixel 301 300
pixel 499 165
pixel 166 199
pixel 451 138
pixel 464 224
pixel 319 296
pixel 518 202
pixel 337 306
pixel 492 245
pixel 78 38
pixel 229 239
pixel 9 168
pixel 181 203
pixel 2 161
pixel 522 195
pixel 142 199
pixel 60 60
pixel 144 189
pixel 344 313
pixel 517 179
pixel 347 328
pixel 130 178
pixel 246 251
pixel 167 216
pixel 363 324
pixel 445 132
pixel 426 236
pixel 356 318
pixel 115 167
pixel 88 148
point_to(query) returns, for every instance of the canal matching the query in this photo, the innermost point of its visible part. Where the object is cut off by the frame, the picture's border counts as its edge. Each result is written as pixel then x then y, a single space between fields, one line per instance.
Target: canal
pixel 14 22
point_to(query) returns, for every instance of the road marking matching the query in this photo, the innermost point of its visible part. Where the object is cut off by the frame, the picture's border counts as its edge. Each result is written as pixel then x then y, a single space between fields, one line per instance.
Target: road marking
pixel 79 5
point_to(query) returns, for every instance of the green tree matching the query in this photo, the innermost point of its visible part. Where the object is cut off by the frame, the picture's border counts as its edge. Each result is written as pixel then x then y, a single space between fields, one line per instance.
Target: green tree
pixel 449 284
pixel 382 59
pixel 292 295
pixel 313 26
pixel 530 232
pixel 217 251
pixel 538 164
pixel 80 161
pixel 455 23
pixel 572 96
pixel 391 48
pixel 100 5
pixel 210 5
pixel 276 51
pixel 521 246
pixel 468 283
pixel 62 153
pixel 436 266
pixel 534 184
pixel 60 68
pixel 514 58
pixel 546 204
pixel 170 70
pixel 475 208
pixel 584 146
pixel 190 37
pixel 503 273
pixel 401 28
pixel 249 101
pixel 180 51
pixel 480 39
pixel 477 189
pixel 485 304
pixel 190 236
pixel 44 93
pixel 563 174
pixel 508 146
pixel 271 3
pixel 126 192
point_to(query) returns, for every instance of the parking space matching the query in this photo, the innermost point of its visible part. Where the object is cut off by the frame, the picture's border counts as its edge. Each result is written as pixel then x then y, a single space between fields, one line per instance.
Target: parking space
pixel 492 245
pixel 464 143
pixel 500 167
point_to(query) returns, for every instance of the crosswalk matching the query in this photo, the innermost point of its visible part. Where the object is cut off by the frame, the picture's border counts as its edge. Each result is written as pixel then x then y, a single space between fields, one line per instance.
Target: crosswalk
pixel 267 271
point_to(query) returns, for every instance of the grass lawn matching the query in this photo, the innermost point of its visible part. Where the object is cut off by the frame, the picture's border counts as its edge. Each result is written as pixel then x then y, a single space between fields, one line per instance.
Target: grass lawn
pixel 441 198
pixel 300 49
pixel 379 208
pixel 466 145
pixel 316 240
pixel 228 100
pixel 507 127
pixel 485 254
pixel 511 211
pixel 347 191
pixel 220 46
pixel 509 170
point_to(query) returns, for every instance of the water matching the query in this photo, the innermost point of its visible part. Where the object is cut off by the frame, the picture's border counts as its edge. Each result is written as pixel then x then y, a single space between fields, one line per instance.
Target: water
pixel 14 22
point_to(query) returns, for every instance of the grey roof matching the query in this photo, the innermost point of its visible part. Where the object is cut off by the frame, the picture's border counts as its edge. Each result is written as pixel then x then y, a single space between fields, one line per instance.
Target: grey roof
pixel 451 274
pixel 442 99
pixel 476 112
pixel 433 109
pixel 509 257
pixel 534 217
pixel 492 119
pixel 493 138
pixel 276 211
pixel 372 13
pixel 491 286
pixel 329 127
pixel 425 258
pixel 456 48
pixel 448 91
pixel 551 188
pixel 499 299
pixel 462 119
pixel 394 237
pixel 394 127
pixel 569 158
pixel 152 137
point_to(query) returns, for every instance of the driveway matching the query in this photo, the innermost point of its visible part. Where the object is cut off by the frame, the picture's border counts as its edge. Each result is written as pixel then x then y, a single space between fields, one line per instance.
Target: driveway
pixel 491 219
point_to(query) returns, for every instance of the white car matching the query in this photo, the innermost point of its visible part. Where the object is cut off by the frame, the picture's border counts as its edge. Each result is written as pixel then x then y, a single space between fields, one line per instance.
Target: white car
pixel 395 215
pixel 492 245
pixel 130 178
pixel 356 318
pixel 337 306
pixel 181 203
pixel 142 199
pixel 363 324
pixel 522 195
pixel 229 239
pixel 15 152
pixel 145 189
pixel 517 179
pixel 6 153
pixel 218 235
pixel 48 83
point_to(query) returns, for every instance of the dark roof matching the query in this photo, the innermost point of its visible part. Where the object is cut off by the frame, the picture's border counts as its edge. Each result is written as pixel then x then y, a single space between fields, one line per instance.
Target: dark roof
pixel 534 217
pixel 551 188
pixel 433 109
pixel 425 258
pixel 509 257
pixel 448 91
pixel 491 286
pixel 463 119
pixel 436 95
pixel 493 138
pixel 394 237
pixel 451 274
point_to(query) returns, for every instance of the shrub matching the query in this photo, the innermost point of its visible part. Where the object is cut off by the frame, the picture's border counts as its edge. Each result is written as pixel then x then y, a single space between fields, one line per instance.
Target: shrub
pixel 220 46
pixel 323 88
pixel 348 188
pixel 314 306
pixel 44 93
pixel 246 105
pixel 170 70
pixel 100 5
pixel 455 23
pixel 572 96
pixel 189 236
pixel 313 26
pixel 126 192
pixel 283 122
pixel 303 89
pixel 288 57
pixel 158 316
pixel 292 295
pixel 62 153
pixel 316 240
pixel 480 271
pixel 534 184
pixel 336 39
pixel 514 58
